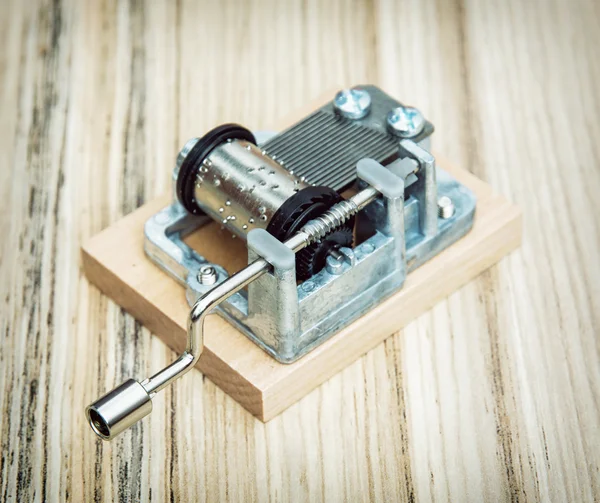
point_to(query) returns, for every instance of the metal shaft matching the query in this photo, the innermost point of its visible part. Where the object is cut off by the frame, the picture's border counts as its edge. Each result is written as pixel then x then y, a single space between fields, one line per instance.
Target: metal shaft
pixel 128 403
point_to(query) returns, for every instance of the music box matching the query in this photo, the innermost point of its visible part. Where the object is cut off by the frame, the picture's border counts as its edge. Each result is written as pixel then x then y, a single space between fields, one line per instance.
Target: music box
pixel 336 212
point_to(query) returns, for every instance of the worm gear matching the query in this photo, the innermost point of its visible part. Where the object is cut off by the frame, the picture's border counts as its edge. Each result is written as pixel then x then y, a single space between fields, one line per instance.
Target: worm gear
pixel 312 259
pixel 300 209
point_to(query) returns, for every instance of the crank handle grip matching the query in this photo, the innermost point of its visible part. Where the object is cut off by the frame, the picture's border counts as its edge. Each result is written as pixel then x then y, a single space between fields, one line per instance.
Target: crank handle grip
pixel 119 409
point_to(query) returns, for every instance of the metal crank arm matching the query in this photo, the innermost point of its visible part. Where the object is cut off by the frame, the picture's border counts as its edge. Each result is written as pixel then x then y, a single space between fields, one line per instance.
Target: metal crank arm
pixel 131 401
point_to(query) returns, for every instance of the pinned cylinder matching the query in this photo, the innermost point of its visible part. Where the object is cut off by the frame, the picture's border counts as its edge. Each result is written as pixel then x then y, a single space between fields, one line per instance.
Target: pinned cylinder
pixel 226 176
pixel 243 188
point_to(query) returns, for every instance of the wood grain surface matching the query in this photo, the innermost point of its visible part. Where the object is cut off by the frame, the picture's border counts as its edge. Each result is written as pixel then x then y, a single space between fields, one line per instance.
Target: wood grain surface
pixel 494 395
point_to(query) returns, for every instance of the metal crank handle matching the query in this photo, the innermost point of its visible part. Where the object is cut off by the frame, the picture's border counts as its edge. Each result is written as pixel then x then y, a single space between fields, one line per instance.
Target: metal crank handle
pixel 131 401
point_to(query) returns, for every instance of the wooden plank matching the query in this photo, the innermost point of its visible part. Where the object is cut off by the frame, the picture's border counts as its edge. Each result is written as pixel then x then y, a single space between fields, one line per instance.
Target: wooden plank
pixel 114 260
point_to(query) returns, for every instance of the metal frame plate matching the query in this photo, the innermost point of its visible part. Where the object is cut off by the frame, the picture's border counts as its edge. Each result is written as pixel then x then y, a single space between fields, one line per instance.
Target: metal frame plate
pixel 288 320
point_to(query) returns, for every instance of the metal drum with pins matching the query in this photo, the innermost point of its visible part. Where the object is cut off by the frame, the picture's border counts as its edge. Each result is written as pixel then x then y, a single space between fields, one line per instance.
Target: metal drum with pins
pixel 241 187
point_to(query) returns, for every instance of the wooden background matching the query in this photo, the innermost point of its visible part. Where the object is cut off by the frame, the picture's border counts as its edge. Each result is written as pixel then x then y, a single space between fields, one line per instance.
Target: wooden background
pixel 492 396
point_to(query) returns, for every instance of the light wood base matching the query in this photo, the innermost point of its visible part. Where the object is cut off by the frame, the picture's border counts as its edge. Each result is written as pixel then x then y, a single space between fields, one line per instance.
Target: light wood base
pixel 114 261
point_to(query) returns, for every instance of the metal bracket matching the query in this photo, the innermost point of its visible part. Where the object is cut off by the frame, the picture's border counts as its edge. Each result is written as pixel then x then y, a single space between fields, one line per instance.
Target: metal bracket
pixel 164 245
pixel 396 236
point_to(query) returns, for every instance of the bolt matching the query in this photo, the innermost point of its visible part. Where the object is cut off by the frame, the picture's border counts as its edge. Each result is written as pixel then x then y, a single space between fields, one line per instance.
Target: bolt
pixel 335 253
pixel 405 122
pixel 352 103
pixel 445 207
pixel 333 264
pixel 308 286
pixel 367 248
pixel 207 275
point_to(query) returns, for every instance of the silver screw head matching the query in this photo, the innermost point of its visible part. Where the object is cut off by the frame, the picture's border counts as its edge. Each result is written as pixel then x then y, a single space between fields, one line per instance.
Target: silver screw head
pixel 446 207
pixel 405 122
pixel 308 286
pixel 207 275
pixel 352 103
pixel 334 265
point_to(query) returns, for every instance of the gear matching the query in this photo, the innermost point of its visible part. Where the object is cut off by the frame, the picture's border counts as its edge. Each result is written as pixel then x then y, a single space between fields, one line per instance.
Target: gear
pixel 311 259
pixel 306 205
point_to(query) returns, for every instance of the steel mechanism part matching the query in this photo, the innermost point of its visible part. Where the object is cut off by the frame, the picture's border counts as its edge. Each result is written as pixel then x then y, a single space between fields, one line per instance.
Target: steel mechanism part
pixel 227 177
pixel 335 211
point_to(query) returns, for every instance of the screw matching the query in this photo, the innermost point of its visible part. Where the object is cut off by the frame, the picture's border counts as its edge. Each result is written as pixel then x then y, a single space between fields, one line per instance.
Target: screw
pixel 337 257
pixel 308 286
pixel 207 275
pixel 352 103
pixel 405 122
pixel 334 264
pixel 445 207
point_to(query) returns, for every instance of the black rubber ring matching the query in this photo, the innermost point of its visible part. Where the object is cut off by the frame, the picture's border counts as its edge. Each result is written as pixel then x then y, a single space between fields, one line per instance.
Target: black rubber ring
pixel 287 219
pixel 186 179
pixel 290 216
pixel 298 210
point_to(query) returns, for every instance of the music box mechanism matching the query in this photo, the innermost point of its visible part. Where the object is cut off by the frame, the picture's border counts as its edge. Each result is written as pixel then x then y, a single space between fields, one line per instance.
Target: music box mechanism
pixel 335 211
